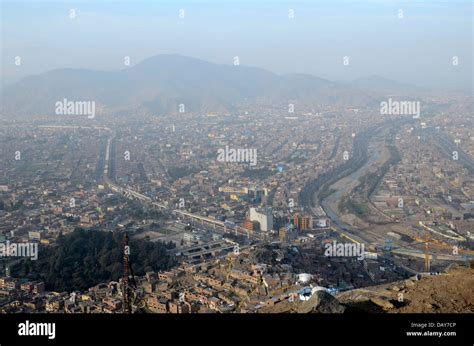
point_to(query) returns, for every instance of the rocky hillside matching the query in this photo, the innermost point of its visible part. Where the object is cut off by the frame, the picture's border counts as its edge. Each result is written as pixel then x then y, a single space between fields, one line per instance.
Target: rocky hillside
pixel 445 293
pixel 450 292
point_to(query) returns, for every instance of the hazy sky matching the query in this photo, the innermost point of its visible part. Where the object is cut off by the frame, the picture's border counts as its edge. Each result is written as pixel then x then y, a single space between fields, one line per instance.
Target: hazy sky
pixel 418 48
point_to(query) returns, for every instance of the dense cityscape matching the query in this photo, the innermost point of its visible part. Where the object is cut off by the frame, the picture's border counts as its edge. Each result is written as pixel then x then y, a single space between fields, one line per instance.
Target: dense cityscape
pixel 245 172
pixel 247 203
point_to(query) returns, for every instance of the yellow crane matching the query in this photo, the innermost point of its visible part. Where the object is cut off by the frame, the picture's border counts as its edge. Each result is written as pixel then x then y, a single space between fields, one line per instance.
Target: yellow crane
pixel 437 244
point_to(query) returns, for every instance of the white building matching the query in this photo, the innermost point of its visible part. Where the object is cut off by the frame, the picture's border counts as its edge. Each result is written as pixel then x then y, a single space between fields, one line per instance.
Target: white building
pixel 263 216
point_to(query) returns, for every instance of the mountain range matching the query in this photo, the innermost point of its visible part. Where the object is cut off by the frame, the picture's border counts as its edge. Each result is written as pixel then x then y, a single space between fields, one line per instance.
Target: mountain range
pixel 161 83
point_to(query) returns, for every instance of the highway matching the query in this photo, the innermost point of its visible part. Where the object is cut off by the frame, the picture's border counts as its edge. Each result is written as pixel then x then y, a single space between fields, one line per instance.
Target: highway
pixel 448 147
pixel 163 206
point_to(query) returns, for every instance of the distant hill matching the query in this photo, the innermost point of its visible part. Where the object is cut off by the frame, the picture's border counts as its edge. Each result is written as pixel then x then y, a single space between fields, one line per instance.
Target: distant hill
pixel 159 84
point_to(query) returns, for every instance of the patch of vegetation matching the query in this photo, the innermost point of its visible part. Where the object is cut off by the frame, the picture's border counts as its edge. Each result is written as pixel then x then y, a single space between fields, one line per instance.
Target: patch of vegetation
pixel 86 258
pixel 357 208
pixel 165 231
pixel 180 172
pixel 260 173
pixel 326 192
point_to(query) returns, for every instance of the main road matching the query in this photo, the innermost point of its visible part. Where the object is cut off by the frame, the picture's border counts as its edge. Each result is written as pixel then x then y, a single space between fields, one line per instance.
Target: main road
pixel 216 224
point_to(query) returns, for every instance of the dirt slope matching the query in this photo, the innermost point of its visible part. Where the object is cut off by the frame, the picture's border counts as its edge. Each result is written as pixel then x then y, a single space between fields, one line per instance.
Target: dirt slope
pixel 449 292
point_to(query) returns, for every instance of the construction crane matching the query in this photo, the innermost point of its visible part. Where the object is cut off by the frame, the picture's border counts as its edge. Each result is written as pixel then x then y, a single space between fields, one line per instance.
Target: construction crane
pixel 434 243
pixel 428 243
pixel 388 247
pixel 426 251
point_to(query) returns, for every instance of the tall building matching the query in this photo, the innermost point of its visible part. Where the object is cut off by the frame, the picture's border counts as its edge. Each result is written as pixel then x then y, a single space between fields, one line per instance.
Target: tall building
pixel 263 216
pixel 302 222
pixel 306 223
